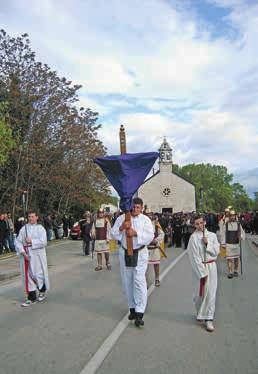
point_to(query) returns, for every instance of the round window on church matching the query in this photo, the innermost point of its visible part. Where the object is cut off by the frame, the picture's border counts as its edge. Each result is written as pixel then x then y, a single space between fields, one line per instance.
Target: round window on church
pixel 166 192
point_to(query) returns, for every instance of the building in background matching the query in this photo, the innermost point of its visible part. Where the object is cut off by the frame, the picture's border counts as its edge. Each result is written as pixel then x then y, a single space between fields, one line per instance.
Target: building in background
pixel 165 191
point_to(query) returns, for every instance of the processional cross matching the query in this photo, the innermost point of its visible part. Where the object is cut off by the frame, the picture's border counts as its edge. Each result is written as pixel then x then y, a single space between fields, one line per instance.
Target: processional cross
pixel 126 172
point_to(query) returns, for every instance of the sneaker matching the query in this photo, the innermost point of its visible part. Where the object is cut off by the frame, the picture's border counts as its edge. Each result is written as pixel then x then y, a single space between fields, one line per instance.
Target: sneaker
pixel 28 303
pixel 41 297
pixel 235 273
pixel 157 283
pixel 230 276
pixel 209 326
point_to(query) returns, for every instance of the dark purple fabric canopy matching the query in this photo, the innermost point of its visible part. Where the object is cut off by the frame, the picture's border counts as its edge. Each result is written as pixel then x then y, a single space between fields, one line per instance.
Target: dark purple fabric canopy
pixel 126 173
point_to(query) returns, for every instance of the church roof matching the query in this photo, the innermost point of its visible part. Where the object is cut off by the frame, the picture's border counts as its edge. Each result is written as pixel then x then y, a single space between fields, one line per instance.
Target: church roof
pixel 185 179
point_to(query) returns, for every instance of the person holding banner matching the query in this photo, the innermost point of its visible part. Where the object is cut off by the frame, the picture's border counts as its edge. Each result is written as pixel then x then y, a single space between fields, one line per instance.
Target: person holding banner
pixel 232 234
pixel 30 245
pixel 203 249
pixel 133 268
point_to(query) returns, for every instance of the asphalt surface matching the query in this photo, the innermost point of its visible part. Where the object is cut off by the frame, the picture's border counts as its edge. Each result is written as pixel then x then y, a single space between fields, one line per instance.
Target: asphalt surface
pixel 84 306
pixel 172 342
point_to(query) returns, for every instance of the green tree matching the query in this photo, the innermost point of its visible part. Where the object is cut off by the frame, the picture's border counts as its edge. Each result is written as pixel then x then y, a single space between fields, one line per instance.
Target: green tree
pixel 55 140
pixel 255 204
pixel 217 185
pixel 242 201
pixel 6 139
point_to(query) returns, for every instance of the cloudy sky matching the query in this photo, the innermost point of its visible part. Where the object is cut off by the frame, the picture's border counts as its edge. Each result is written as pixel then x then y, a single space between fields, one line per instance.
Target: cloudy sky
pixel 184 69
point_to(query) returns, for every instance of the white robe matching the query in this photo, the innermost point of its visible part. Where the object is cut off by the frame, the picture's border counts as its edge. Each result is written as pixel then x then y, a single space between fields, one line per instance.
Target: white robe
pixel 36 274
pixel 133 278
pixel 205 305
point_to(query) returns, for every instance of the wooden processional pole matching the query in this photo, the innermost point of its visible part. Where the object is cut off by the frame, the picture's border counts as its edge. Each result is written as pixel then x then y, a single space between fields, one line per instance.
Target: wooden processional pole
pixel 129 240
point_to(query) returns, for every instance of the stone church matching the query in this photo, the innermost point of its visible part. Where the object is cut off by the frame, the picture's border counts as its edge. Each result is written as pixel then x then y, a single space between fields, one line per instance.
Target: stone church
pixel 165 191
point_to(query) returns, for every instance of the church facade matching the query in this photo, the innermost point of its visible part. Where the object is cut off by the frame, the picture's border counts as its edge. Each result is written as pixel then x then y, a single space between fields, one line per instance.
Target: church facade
pixel 165 191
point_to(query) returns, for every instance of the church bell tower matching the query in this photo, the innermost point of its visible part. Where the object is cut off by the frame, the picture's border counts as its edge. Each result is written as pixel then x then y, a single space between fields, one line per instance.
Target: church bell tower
pixel 165 156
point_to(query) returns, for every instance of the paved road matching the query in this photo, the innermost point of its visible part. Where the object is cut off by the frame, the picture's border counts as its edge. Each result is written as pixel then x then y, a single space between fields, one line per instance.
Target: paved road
pixel 84 307
pixel 172 341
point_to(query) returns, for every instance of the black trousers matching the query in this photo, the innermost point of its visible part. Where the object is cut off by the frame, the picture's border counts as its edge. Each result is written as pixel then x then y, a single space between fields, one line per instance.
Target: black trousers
pixel 177 238
pixel 86 247
pixel 186 238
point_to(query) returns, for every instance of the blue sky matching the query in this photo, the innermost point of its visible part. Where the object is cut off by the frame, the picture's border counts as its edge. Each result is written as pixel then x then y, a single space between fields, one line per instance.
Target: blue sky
pixel 184 69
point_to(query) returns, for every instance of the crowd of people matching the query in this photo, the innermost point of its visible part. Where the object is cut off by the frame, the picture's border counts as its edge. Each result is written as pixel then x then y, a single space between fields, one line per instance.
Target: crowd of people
pixel 202 235
pixel 7 230
pixel 57 227
pixel 177 227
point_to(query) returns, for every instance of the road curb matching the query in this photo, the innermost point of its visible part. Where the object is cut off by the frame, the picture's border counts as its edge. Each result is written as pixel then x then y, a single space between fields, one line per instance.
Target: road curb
pixel 6 276
pixel 53 243
pixel 5 257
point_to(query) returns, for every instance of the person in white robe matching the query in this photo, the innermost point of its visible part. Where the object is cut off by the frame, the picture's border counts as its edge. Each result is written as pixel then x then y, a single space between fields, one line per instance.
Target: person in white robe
pixel 133 277
pixel 30 246
pixel 203 249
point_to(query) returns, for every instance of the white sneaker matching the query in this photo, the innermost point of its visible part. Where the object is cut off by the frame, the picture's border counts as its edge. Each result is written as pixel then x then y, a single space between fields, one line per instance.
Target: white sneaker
pixel 41 297
pixel 28 303
pixel 209 326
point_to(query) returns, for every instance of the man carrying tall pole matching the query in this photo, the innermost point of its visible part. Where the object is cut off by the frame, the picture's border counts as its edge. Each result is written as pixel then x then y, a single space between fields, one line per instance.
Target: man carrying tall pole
pixel 133 268
pixel 133 230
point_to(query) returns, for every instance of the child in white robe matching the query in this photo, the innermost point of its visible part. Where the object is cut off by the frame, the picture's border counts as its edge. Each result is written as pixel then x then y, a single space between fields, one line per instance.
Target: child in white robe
pixel 203 249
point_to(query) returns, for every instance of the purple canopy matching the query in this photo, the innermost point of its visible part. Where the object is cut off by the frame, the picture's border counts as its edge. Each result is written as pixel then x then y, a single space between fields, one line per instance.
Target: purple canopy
pixel 126 173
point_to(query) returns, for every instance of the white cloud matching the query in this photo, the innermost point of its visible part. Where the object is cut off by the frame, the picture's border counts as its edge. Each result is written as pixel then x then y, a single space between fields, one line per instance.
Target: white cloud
pixel 148 51
pixel 212 136
pixel 94 105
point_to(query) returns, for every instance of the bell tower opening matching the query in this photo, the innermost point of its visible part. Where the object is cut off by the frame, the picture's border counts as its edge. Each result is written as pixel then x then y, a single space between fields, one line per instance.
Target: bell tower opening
pixel 165 156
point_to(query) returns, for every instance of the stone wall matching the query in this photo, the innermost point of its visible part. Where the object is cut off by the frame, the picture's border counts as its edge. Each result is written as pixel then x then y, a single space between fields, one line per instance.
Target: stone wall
pixel 155 192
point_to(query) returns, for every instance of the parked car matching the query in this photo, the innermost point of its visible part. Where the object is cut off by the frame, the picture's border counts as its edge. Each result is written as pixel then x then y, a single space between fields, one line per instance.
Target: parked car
pixel 75 232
